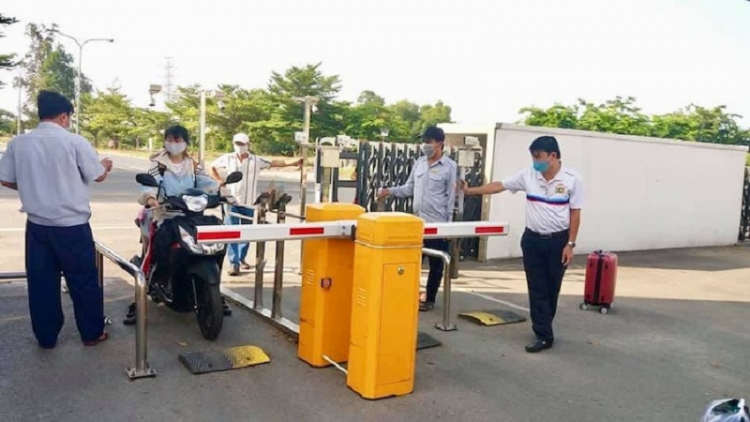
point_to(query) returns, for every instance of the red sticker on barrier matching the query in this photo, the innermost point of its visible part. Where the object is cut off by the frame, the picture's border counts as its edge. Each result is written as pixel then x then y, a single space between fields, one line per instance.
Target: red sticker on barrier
pixel 430 230
pixel 489 230
pixel 219 235
pixel 306 231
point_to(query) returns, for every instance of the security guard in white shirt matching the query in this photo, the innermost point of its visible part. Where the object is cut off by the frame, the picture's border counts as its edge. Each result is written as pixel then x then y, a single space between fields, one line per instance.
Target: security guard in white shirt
pixel 554 198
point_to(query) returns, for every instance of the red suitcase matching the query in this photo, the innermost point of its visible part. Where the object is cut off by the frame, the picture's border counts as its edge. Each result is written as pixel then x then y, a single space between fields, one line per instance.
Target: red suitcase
pixel 601 277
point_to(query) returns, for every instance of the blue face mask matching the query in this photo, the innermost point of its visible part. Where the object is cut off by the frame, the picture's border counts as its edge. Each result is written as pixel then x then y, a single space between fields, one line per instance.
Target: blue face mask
pixel 541 166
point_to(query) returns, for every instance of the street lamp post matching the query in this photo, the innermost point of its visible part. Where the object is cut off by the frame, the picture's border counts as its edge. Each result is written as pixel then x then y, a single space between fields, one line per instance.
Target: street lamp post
pixel 219 96
pixel 19 84
pixel 384 133
pixel 310 105
pixel 79 73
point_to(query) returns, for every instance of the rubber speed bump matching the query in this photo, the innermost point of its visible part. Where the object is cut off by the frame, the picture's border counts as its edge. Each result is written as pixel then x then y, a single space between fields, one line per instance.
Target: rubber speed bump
pixel 491 318
pixel 223 360
pixel 425 341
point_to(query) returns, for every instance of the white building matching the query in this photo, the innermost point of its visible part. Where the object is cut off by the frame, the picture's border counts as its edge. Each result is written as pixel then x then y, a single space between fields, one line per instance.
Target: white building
pixel 641 193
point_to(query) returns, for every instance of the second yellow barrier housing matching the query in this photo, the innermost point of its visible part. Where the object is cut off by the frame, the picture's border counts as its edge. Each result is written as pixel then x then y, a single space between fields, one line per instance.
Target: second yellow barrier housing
pixel 385 304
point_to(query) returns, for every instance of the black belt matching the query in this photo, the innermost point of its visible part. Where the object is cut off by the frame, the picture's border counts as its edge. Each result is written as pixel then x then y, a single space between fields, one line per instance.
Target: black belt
pixel 555 235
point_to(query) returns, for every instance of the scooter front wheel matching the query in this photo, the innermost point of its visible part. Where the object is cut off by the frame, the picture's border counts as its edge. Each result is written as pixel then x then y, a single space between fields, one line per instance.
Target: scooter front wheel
pixel 210 312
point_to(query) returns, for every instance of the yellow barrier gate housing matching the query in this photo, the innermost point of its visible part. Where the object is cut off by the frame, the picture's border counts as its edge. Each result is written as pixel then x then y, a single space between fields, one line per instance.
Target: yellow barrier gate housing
pixel 385 308
pixel 326 296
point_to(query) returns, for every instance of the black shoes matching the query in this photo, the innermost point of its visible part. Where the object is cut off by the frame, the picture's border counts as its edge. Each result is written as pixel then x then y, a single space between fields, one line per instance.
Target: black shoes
pixel 538 345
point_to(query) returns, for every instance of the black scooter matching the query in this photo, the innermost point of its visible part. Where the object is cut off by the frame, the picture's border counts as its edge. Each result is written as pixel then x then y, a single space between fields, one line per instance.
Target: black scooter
pixel 181 273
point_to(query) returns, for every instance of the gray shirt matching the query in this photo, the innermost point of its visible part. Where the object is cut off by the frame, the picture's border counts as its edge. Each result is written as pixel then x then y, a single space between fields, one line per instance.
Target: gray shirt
pixel 52 168
pixel 433 188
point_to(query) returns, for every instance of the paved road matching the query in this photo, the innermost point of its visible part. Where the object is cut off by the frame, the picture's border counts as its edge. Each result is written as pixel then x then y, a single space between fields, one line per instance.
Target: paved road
pixel 676 340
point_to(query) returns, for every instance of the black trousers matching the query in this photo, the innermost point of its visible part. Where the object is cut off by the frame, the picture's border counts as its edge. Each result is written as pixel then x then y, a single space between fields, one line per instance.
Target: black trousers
pixel 70 251
pixel 436 267
pixel 542 261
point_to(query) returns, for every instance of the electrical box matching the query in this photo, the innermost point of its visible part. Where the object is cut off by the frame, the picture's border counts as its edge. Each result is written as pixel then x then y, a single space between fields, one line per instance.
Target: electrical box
pixel 330 157
pixel 472 141
pixel 466 157
pixel 300 137
pixel 385 304
pixel 326 296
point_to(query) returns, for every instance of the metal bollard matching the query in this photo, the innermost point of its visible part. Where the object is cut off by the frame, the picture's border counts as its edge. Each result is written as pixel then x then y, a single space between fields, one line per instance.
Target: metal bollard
pixel 260 259
pixel 278 276
pixel 99 268
pixel 455 255
pixel 446 325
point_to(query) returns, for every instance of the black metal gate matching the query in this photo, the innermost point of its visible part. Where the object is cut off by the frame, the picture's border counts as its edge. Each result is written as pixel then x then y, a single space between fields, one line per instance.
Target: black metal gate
pixel 384 164
pixel 745 214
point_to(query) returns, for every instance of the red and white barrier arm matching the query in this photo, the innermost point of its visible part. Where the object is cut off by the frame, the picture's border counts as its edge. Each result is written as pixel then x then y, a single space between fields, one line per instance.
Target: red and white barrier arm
pixel 343 228
pixel 245 233
pixel 464 229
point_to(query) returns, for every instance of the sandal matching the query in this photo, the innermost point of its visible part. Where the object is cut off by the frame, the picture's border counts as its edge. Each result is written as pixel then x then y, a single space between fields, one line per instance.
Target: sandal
pixel 426 306
pixel 104 336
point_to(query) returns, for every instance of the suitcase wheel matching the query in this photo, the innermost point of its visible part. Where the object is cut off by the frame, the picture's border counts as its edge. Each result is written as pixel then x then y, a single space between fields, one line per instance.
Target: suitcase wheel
pixel 583 306
pixel 603 310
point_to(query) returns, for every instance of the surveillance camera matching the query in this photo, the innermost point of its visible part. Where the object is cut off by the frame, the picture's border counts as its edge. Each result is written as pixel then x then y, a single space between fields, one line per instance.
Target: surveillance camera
pixel 221 105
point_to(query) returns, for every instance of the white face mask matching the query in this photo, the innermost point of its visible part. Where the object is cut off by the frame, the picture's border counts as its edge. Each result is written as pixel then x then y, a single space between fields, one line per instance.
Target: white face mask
pixel 240 149
pixel 175 148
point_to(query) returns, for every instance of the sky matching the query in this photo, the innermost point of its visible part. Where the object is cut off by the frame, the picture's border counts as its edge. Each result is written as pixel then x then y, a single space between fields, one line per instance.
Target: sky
pixel 484 58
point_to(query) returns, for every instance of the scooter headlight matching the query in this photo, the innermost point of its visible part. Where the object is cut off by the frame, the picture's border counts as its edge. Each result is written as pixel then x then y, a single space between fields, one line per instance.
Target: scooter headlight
pixel 203 249
pixel 196 203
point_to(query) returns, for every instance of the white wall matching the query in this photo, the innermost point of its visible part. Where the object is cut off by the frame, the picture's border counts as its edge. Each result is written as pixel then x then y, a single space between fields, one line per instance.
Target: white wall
pixel 641 193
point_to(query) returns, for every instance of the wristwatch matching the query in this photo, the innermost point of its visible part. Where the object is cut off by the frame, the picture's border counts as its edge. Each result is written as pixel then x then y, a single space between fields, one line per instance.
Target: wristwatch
pixel 572 244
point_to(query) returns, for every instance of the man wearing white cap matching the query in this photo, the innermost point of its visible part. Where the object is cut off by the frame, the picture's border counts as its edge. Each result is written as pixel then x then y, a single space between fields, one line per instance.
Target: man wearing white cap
pixel 243 192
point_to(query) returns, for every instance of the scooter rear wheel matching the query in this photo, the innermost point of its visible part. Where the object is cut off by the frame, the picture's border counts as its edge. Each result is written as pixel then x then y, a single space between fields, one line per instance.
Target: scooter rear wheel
pixel 210 312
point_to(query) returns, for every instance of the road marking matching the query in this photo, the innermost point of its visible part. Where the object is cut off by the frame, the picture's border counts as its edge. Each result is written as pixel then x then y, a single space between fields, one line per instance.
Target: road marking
pixel 22 229
pixel 492 299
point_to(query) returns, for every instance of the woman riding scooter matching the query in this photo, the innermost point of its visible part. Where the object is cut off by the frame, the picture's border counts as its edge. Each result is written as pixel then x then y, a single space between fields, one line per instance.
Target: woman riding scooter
pixel 176 171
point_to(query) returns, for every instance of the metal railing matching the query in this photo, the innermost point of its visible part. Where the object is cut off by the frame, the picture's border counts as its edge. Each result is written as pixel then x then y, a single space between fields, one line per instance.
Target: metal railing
pixel 273 315
pixel 446 258
pixel 141 369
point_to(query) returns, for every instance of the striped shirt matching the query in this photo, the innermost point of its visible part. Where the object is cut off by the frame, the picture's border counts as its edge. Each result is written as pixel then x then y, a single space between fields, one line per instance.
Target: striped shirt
pixel 548 203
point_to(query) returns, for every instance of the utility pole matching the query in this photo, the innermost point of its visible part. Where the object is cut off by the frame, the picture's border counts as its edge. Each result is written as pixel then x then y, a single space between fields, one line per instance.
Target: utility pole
pixel 19 84
pixel 310 103
pixel 79 73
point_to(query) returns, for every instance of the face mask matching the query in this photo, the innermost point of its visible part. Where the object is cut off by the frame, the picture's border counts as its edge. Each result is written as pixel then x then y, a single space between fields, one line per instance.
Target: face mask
pixel 428 150
pixel 175 148
pixel 240 149
pixel 541 166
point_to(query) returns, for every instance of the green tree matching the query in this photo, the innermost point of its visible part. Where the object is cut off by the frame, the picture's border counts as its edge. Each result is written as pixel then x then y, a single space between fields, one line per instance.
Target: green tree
pixel 7 122
pixel 300 82
pixel 49 66
pixel 7 61
pixel 621 115
pixel 109 116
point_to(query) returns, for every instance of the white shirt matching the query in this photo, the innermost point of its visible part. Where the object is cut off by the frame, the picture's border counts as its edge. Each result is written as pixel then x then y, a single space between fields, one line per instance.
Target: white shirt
pixel 244 190
pixel 52 168
pixel 548 203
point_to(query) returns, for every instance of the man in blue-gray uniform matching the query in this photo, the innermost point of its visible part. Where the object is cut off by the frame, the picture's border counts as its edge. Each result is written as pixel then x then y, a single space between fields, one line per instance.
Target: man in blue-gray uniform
pixel 51 169
pixel 432 184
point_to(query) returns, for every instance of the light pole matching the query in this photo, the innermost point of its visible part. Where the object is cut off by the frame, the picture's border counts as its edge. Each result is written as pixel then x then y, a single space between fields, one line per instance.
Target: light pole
pixel 219 95
pixel 384 133
pixel 19 84
pixel 310 106
pixel 79 74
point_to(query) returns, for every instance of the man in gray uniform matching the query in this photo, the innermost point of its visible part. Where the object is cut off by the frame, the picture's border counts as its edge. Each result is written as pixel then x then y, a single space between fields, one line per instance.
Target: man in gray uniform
pixel 432 184
pixel 51 169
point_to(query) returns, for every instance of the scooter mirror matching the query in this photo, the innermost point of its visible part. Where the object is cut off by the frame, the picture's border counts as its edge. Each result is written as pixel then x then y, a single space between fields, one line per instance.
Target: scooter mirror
pixel 234 177
pixel 146 179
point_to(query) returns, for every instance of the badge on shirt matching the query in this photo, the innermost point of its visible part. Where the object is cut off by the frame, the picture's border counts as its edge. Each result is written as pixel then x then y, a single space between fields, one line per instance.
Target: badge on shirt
pixel 559 189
